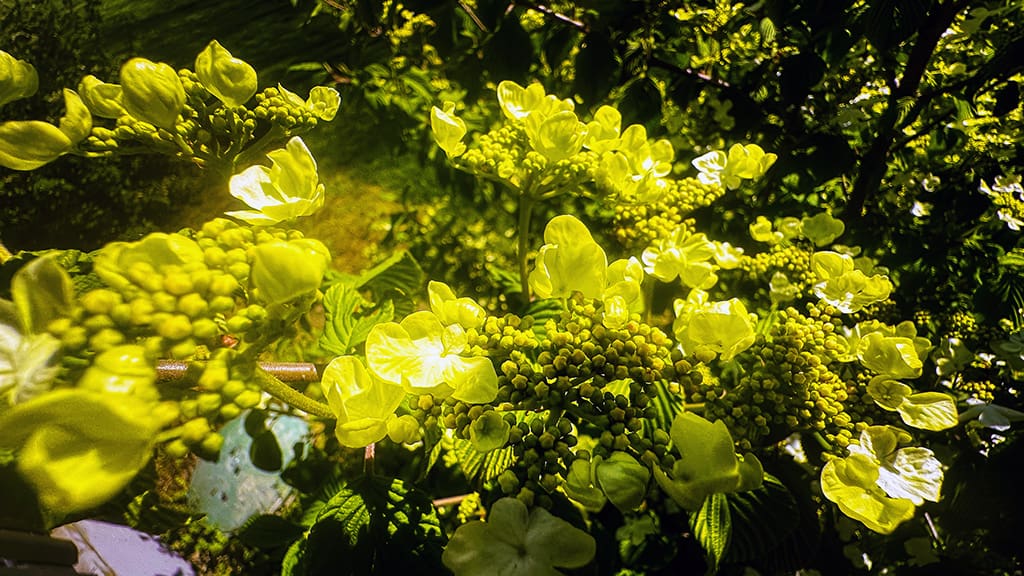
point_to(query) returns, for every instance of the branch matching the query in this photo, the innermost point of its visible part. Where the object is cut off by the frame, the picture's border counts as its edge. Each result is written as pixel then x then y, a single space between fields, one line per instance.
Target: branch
pixel 874 162
pixel 581 26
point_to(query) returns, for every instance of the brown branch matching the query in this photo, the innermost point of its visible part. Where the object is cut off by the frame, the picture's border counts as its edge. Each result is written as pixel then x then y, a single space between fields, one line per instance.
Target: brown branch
pixel 579 25
pixel 292 372
pixel 874 163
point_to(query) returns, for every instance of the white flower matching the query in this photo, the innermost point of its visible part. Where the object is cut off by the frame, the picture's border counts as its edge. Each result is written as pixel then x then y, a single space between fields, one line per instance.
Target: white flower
pixel 26 368
pixel 288 189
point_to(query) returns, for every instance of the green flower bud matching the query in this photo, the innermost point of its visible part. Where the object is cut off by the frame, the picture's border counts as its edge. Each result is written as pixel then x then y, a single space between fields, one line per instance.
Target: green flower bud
pixel 323 102
pixel 230 79
pixel 29 144
pixel 18 79
pixel 152 92
pixel 623 480
pixel 282 271
pixel 247 399
pixel 122 370
pixel 489 432
pixel 77 120
pixel 102 99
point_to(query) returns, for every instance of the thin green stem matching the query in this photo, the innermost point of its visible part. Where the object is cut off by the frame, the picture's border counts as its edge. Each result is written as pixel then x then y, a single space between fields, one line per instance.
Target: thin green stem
pixel 525 214
pixel 5 254
pixel 697 407
pixel 271 385
pixel 822 442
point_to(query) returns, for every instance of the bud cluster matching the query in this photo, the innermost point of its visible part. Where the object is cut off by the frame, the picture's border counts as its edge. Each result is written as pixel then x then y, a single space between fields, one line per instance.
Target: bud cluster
pixel 573 376
pixel 190 305
pixel 640 225
pixel 794 386
pixel 793 260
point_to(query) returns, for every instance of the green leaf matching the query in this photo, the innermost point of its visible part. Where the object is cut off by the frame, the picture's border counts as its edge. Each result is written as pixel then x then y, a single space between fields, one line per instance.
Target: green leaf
pixel 666 404
pixel 767 29
pixel 712 528
pixel 479 466
pixel 399 272
pixel 761 520
pixel 350 318
pixel 268 531
pixel 375 526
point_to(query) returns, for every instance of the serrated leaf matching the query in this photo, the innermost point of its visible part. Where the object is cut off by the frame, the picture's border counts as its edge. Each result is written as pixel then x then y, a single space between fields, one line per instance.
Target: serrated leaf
pixel 479 466
pixel 767 29
pixel 761 520
pixel 349 318
pixel 268 531
pixel 542 311
pixel 712 528
pixel 375 526
pixel 399 272
pixel 666 404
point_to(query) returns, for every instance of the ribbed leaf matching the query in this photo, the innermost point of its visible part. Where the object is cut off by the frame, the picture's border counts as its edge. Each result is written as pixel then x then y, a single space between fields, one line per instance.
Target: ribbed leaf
pixel 667 405
pixel 375 526
pixel 350 318
pixel 399 272
pixel 712 527
pixel 761 519
pixel 767 31
pixel 478 466
pixel 268 531
pixel 542 311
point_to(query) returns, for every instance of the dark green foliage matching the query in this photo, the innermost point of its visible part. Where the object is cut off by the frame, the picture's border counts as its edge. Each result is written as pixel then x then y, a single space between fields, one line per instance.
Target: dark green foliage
pixel 77 203
pixel 374 525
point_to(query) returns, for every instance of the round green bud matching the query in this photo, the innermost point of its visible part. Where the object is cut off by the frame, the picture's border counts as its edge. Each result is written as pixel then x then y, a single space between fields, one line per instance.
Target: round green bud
pixel 248 399
pixel 232 388
pixel 195 430
pixel 208 402
pixel 176 327
pixel 100 301
pixel 192 305
pixel 230 411
pixel 176 449
pixel 210 447
pixel 152 92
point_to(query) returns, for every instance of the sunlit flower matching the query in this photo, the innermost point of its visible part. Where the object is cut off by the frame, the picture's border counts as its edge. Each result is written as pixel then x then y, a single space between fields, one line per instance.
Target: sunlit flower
pixel 362 403
pixel 425 357
pixel 879 484
pixel 288 189
pixel 26 364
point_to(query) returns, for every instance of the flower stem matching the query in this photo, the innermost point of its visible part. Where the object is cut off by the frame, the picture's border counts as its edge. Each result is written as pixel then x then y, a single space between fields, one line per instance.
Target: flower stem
pixel 525 213
pixel 369 455
pixel 271 385
pixel 5 254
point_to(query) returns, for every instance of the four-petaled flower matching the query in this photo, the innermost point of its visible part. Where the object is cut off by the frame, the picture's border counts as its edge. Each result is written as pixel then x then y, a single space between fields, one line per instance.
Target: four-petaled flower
pixel 517 542
pixel 425 357
pixel 288 189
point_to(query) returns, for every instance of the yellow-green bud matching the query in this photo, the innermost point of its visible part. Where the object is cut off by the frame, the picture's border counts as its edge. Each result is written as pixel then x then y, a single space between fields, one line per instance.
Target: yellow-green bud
pixel 152 92
pixel 230 79
pixel 18 79
pixel 102 99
